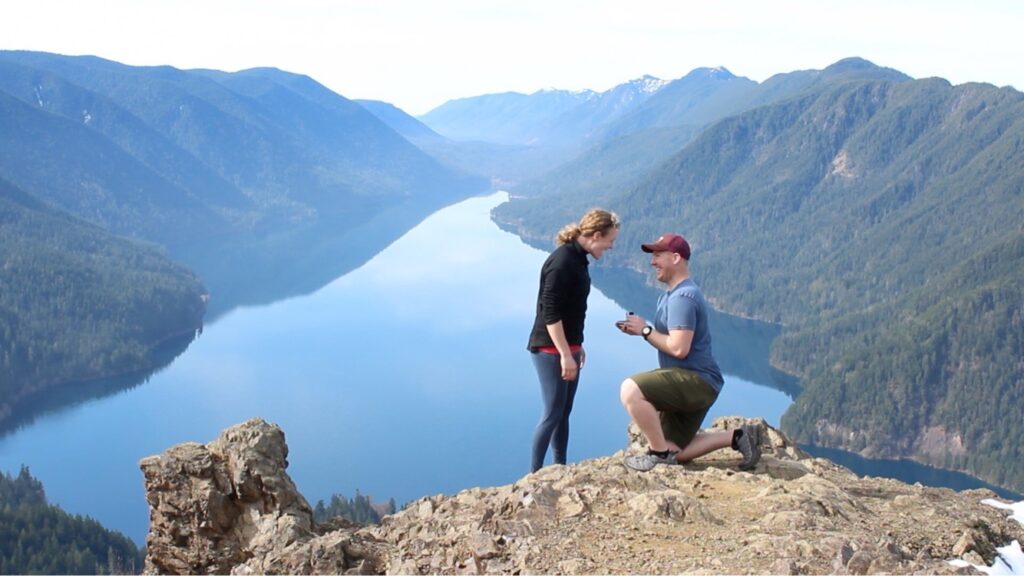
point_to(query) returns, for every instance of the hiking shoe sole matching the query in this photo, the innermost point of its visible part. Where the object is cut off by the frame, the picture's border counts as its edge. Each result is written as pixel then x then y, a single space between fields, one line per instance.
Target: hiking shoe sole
pixel 750 446
pixel 645 462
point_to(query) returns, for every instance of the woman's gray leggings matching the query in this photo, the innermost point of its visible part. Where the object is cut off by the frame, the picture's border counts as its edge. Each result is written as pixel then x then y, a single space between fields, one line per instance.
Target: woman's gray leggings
pixel 558 395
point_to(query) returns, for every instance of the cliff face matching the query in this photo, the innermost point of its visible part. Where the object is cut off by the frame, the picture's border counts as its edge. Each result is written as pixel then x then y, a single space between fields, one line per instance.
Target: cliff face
pixel 230 507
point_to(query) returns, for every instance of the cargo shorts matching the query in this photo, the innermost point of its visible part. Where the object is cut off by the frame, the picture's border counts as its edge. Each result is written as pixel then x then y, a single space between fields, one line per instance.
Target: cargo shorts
pixel 682 399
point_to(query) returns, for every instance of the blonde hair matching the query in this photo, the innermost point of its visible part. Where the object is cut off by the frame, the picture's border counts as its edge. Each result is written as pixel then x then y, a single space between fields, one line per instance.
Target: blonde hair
pixel 596 220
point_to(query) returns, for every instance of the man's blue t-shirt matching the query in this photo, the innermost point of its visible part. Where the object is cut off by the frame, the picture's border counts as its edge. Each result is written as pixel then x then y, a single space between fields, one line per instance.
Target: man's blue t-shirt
pixel 684 308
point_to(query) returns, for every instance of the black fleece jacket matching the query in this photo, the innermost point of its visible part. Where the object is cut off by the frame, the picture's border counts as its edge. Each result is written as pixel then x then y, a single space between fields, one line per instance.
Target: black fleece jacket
pixel 564 287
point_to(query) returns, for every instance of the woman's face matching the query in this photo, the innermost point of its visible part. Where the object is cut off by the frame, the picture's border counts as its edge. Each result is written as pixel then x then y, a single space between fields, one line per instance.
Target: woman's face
pixel 601 241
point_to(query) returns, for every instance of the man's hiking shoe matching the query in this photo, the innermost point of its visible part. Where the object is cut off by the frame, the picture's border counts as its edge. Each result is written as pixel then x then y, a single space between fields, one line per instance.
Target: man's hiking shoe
pixel 644 462
pixel 749 444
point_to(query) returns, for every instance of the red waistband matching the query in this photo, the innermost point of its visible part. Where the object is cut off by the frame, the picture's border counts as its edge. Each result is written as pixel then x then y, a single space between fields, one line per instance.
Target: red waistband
pixel 574 348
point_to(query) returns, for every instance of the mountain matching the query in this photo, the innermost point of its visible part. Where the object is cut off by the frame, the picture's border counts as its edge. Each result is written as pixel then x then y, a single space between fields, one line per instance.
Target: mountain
pixel 547 118
pixel 78 303
pixel 508 118
pixel 212 152
pixel 513 137
pixel 702 96
pixel 625 151
pixel 792 515
pixel 880 222
pixel 580 124
pixel 407 126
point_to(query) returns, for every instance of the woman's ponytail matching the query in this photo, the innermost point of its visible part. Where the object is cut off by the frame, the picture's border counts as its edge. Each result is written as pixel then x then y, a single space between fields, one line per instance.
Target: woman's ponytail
pixel 596 220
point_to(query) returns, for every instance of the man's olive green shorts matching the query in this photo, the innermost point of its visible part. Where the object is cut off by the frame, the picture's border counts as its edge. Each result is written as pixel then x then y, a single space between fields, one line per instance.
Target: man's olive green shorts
pixel 682 399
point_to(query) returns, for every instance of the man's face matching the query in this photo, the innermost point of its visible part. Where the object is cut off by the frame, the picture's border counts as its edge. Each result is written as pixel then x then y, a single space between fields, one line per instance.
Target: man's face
pixel 603 242
pixel 664 263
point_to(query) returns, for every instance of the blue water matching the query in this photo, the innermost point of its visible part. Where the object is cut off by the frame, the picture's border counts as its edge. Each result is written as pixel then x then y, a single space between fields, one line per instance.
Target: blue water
pixel 407 376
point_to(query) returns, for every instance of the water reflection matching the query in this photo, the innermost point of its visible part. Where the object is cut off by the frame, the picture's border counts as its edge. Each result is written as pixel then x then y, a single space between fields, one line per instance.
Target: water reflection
pixel 296 261
pixel 63 397
pixel 241 271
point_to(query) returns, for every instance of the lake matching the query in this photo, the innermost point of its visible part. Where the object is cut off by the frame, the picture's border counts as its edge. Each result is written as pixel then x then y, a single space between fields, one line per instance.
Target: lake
pixel 407 375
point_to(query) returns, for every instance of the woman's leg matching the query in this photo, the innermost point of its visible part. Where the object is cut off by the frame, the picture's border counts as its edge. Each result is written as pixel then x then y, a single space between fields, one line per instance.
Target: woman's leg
pixel 553 392
pixel 560 436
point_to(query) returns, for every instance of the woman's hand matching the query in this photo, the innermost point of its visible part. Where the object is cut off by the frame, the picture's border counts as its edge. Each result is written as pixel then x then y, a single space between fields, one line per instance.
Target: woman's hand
pixel 569 368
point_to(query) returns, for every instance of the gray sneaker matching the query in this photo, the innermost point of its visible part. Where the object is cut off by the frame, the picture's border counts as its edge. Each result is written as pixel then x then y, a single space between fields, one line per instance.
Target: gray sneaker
pixel 644 462
pixel 750 446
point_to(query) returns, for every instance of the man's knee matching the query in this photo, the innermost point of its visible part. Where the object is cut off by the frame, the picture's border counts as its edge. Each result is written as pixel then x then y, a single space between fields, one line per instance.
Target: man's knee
pixel 629 392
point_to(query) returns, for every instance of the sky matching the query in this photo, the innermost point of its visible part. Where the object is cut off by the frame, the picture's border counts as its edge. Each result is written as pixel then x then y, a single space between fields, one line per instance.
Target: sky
pixel 418 54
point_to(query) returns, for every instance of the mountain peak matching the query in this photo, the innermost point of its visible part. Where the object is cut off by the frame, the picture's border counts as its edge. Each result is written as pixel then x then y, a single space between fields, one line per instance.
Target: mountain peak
pixel 856 66
pixel 648 84
pixel 714 73
pixel 852 63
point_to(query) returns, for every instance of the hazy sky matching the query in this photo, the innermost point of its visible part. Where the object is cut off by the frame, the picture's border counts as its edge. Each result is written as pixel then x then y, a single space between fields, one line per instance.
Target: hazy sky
pixel 417 54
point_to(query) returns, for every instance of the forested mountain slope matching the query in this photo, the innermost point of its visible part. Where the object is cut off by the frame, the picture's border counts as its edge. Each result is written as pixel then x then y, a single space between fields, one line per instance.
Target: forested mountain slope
pixel 38 538
pixel 78 303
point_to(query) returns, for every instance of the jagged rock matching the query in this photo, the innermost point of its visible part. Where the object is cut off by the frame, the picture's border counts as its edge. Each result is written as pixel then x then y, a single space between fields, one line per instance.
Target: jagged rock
pixel 230 507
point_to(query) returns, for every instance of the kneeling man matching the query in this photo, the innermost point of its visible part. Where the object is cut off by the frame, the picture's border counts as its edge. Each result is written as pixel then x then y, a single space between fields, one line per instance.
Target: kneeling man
pixel 668 404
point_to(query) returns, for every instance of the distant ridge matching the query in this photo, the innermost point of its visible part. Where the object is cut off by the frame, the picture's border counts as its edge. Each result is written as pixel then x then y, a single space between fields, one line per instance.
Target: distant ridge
pixel 408 126
pixel 546 118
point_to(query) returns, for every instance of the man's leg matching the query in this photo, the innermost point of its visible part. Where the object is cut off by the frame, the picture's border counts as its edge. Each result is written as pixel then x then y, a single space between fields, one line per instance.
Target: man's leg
pixel 643 413
pixel 703 443
pixel 745 440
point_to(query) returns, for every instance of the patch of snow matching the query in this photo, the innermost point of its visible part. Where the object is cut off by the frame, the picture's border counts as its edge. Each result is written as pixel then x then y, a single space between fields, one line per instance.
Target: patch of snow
pixel 1017 508
pixel 650 84
pixel 1011 557
pixel 1009 561
pixel 39 95
pixel 86 117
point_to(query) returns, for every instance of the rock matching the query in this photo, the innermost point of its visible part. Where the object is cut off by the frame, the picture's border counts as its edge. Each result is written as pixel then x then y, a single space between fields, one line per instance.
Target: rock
pixel 229 507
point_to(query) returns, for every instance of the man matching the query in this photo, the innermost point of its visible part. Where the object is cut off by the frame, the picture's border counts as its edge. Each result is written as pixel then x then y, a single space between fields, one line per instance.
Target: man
pixel 669 404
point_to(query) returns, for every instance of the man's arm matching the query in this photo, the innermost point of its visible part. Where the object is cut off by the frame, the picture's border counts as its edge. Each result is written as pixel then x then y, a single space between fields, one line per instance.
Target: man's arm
pixel 676 343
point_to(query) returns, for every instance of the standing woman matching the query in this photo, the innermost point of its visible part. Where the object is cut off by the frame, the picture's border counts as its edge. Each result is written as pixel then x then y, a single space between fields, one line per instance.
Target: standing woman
pixel 556 342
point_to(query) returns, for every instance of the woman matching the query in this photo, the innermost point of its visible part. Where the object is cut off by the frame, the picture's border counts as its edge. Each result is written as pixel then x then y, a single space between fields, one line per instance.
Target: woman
pixel 556 342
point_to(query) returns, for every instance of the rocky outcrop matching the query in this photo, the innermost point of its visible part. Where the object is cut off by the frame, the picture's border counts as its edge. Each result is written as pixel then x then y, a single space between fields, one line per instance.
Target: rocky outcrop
pixel 230 507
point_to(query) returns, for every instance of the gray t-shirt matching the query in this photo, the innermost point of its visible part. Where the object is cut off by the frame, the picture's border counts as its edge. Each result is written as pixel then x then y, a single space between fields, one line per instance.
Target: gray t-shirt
pixel 684 308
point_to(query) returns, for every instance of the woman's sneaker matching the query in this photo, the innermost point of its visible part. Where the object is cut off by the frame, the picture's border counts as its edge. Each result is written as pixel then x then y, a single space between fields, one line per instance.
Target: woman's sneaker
pixel 644 462
pixel 749 444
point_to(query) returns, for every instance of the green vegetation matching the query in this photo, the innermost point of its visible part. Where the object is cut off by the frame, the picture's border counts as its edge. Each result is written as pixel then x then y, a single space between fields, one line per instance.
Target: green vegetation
pixel 37 538
pixel 78 303
pixel 881 223
pixel 359 509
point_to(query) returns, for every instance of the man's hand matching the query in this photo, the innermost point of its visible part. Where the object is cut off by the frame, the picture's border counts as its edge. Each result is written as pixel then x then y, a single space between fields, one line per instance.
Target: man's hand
pixel 633 325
